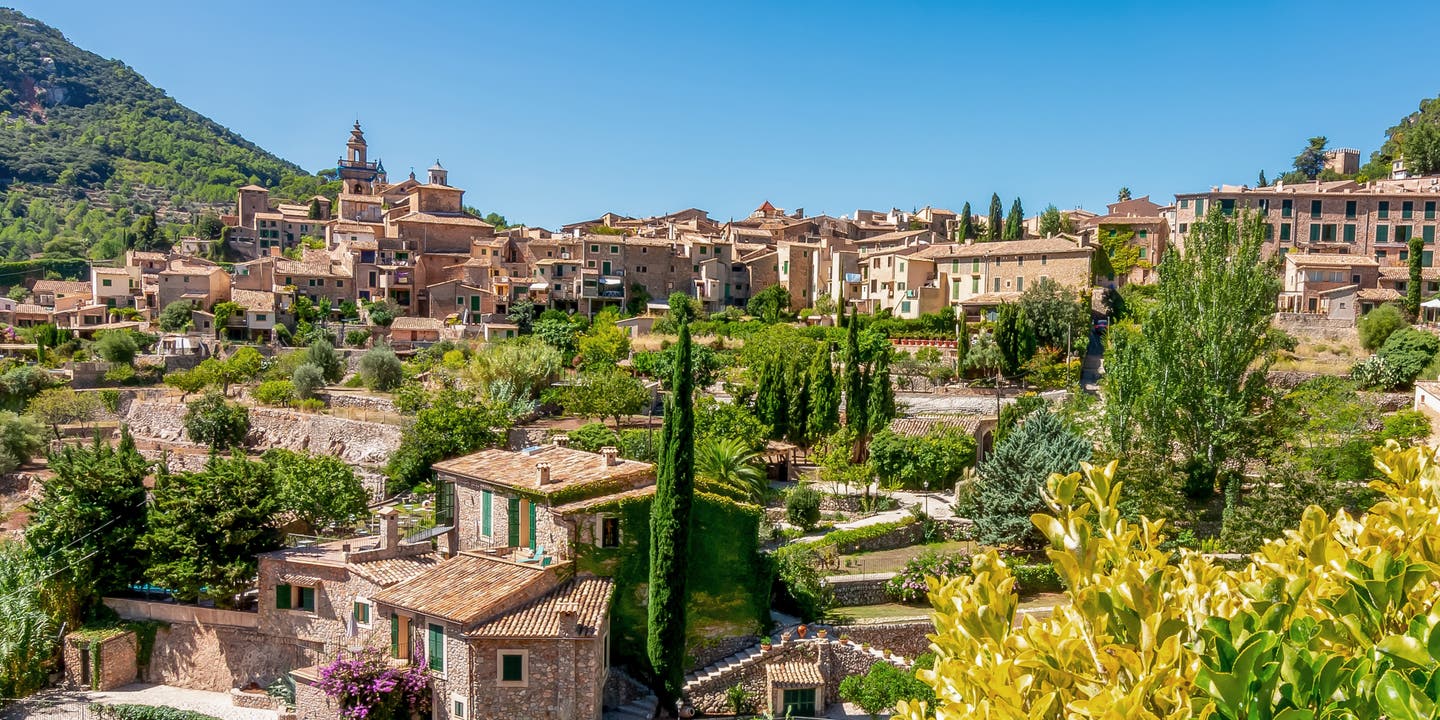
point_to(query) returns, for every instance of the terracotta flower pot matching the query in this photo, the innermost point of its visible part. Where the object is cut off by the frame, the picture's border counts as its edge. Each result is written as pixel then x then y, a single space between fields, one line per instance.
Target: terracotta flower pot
pixel 802 629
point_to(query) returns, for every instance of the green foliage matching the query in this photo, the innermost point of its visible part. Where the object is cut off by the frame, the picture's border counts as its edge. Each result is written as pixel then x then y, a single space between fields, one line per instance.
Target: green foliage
pixel 729 468
pixel 1406 427
pixel 722 420
pixel 62 406
pixel 966 230
pixel 1015 222
pixel 1012 414
pixel 20 383
pixel 450 426
pixel 799 587
pixel 1311 160
pixel 382 312
pixel 526 364
pixel 606 392
pixel 381 369
pixel 559 333
pixel 605 344
pixel 27 628
pixel 206 528
pixel 1014 336
pixel 930 462
pixel 1057 314
pixel 175 317
pixel 994 224
pixel 322 354
pixel 770 304
pixel 824 397
pixel 320 490
pixel 279 393
pixel 1375 373
pixel 590 437
pixel 90 516
pixel 1376 326
pixel 1408 351
pixel 660 365
pixel 883 687
pixel 213 421
pixel 20 438
pixel 802 507
pixel 357 338
pixel 308 380
pixel 144 712
pixel 117 346
pixel 911 584
pixel 1413 287
pixel 670 533
pixel 1007 491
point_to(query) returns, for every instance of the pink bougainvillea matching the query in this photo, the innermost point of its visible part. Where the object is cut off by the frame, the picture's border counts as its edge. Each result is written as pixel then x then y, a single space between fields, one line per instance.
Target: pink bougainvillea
pixel 367 686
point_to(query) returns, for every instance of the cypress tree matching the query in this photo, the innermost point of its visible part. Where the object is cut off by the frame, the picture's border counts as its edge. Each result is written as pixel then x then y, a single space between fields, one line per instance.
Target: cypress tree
pixel 854 378
pixel 798 414
pixel 315 209
pixel 967 224
pixel 824 396
pixel 992 231
pixel 670 532
pixel 962 342
pixel 1015 224
pixel 881 396
pixel 1412 290
pixel 1014 336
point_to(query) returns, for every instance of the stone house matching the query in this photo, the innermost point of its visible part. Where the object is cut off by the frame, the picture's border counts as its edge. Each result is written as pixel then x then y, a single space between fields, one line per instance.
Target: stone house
pixel 1323 283
pixel 59 295
pixel 412 332
pixel 114 287
pixel 195 280
pixel 902 280
pixel 977 277
pixel 981 428
pixel 258 320
pixel 1146 236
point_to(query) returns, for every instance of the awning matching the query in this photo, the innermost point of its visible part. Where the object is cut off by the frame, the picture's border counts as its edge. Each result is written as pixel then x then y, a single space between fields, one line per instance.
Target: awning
pixel 539 286
pixel 1431 303
pixel 301 580
pixel 609 281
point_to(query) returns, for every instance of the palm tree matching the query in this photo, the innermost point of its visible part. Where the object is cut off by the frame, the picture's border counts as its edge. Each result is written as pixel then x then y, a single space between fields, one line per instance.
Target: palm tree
pixel 727 466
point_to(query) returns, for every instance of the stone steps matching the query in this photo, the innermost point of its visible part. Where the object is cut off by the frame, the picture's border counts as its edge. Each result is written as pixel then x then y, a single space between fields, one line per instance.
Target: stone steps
pixel 641 709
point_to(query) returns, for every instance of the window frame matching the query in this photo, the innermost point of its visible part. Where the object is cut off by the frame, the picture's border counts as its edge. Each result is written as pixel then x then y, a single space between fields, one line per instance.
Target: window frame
pixel 500 680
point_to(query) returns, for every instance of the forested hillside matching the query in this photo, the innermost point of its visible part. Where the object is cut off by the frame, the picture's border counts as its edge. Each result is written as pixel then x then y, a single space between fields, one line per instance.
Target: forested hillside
pixel 89 151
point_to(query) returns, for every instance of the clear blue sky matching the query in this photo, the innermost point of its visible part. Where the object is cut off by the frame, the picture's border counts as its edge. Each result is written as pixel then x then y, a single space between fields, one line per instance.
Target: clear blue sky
pixel 555 111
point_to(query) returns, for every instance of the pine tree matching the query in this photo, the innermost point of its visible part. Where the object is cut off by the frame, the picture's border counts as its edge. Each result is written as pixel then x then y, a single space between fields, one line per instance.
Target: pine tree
pixel 1015 223
pixel 798 413
pixel 967 224
pixel 670 532
pixel 1008 489
pixel 994 223
pixel 824 396
pixel 854 378
pixel 1262 182
pixel 1014 336
pixel 881 395
pixel 1412 289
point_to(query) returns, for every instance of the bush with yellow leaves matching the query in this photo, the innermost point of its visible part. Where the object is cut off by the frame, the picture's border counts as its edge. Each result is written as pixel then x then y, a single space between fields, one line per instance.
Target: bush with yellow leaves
pixel 1336 620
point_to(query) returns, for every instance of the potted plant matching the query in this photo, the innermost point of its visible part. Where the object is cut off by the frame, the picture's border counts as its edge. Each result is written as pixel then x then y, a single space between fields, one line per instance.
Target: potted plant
pixel 886 651
pixel 822 633
pixel 784 638
pixel 801 630
pixel 845 638
pixel 765 643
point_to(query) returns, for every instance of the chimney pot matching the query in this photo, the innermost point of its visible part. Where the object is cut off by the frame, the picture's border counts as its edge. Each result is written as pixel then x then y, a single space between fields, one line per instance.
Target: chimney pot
pixel 543 472
pixel 562 441
pixel 609 455
pixel 389 528
pixel 569 616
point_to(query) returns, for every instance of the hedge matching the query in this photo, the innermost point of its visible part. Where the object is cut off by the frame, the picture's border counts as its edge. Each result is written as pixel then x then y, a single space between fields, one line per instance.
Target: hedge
pixel 146 712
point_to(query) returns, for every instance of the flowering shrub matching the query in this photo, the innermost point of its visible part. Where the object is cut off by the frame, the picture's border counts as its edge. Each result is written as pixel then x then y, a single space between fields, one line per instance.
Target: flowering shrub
pixel 910 585
pixel 367 687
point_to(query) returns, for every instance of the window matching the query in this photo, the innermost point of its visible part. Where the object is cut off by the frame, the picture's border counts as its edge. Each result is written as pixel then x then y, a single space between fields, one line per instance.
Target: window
pixel 1384 210
pixel 1430 210
pixel 1044 259
pixel 261 317
pixel 609 532
pixel 307 599
pixel 1143 252
pixel 1199 206
pixel 1314 232
pixel 798 702
pixel 339 283
pixel 1019 283
pixel 614 249
pixel 360 611
pixel 1287 207
pixel 1428 232
pixel 1227 206
pixel 594 248
pixel 1407 209
pixel 1349 209
pixel 997 284
pixel 282 597
pixel 1315 206
pixel 457 706
pixel 105 282
pixel 1020 261
pixel 1184 203
pixel 1382 233
pixel 1402 233
pixel 975 265
pixel 436 647
pixel 487 504
pixel 512 667
pixel 975 285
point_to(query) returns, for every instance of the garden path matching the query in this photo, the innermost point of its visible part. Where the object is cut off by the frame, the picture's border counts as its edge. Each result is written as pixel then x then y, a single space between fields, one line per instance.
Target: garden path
pixel 73 705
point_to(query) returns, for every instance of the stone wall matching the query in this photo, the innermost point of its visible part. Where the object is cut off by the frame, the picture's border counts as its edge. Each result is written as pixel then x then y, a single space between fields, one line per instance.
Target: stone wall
pixel 911 533
pixel 117 657
pixel 358 400
pixel 709 654
pixel 220 657
pixel 520 438
pixel 1321 326
pixel 868 589
pixel 354 441
pixel 909 639
pixel 836 660
pixel 565 680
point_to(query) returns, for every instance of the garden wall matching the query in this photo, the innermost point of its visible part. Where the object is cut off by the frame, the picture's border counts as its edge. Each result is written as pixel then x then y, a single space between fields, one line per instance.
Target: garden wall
pixel 836 661
pixel 909 639
pixel 867 589
pixel 355 441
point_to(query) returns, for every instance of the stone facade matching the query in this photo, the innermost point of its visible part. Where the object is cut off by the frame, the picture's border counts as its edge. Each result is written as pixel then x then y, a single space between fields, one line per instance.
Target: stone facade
pixel 908 639
pixel 555 673
pixel 866 589
pixel 834 660
pixel 354 441
pixel 116 656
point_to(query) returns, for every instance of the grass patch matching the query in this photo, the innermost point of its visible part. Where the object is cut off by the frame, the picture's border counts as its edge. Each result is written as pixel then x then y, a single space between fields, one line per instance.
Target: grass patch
pixel 894 560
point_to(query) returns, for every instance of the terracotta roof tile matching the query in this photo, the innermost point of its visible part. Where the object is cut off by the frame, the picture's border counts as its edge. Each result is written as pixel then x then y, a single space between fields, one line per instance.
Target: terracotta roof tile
pixel 417 323
pixel 794 674
pixel 462 589
pixel 1331 260
pixel 588 598
pixel 395 570
pixel 569 467
pixel 253 300
pixel 921 426
pixel 64 287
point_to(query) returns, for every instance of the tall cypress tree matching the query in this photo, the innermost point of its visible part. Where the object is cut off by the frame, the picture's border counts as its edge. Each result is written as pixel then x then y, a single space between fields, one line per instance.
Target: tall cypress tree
pixel 670 532
pixel 881 396
pixel 992 230
pixel 854 378
pixel 1015 223
pixel 824 396
pixel 962 341
pixel 315 209
pixel 1412 290
pixel 798 415
pixel 967 224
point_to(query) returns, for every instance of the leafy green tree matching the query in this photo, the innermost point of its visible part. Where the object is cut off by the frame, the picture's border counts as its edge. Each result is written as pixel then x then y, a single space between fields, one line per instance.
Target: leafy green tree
pixel 670 535
pixel 381 369
pixel 223 311
pixel 1421 145
pixel 1409 351
pixel 522 314
pixel 280 393
pixel 21 437
pixel 715 420
pixel 242 366
pixel 322 354
pixel 1376 326
pixel 207 528
pixel 20 383
pixel 802 507
pixel 1311 160
pixel 28 637
pixel 1007 491
pixel 726 466
pixel 1015 222
pixel 880 396
pixel 529 365
pixel 934 461
pixel 558 333
pixel 1406 427
pixel 90 515
pixel 1015 413
pixel 1412 288
pixel 824 397
pixel 995 223
pixel 1205 347
pixel 382 312
pixel 605 343
pixel 966 229
pixel 320 490
pixel 604 393
pixel 213 421
pixel 590 437
pixel 1050 221
pixel 1057 314
pixel 175 317
pixel 769 304
pixel 308 380
pixel 881 688
pixel 117 347
pixel 450 426
pixel 62 406
pixel 1015 338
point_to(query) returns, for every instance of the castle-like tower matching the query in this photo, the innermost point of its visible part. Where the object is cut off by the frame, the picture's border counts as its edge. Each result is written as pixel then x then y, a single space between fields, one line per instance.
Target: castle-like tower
pixel 358 174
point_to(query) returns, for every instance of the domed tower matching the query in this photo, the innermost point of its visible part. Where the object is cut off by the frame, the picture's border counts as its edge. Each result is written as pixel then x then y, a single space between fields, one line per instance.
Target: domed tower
pixel 438 175
pixel 357 173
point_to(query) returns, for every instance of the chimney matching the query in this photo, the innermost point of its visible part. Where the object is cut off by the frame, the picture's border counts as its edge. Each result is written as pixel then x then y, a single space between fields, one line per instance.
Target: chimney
pixel 609 456
pixel 568 615
pixel 561 440
pixel 542 471
pixel 389 528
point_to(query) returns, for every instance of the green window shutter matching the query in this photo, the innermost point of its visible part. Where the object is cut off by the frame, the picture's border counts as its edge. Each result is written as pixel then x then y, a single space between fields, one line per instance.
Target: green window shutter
pixel 1350 232
pixel 394 635
pixel 1384 211
pixel 1382 233
pixel 1428 232
pixel 514 517
pixel 532 526
pixel 307 599
pixel 512 668
pixel 487 500
pixel 282 597
pixel 1314 232
pixel 1427 259
pixel 437 647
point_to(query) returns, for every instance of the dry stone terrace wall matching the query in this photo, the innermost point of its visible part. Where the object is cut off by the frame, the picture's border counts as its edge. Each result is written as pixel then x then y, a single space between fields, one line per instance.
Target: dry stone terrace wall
pixel 355 441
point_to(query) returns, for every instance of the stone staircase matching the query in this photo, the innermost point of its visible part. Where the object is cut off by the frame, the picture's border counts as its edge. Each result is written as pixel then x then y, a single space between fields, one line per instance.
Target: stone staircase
pixel 640 709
